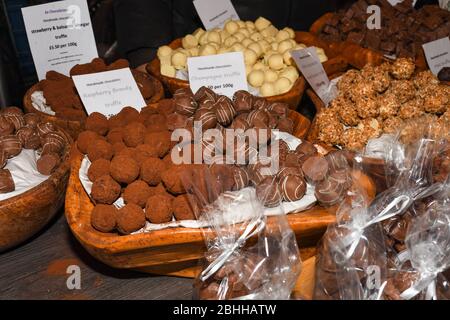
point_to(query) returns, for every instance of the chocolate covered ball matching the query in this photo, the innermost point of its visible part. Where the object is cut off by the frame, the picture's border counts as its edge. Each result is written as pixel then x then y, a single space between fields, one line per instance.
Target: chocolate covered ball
pixel 293 187
pixel 105 190
pixel 115 135
pixel 241 178
pixel 286 125
pixel 144 151
pixel 258 118
pixel 16 119
pixel 137 192
pixel 32 119
pixel 11 145
pixel 268 192
pixel 279 109
pixel 98 168
pixel 45 127
pixel 315 169
pixel 176 121
pixel 160 141
pixel 306 148
pixel 97 122
pixel 182 209
pixel 99 149
pixel 171 179
pixel 205 95
pixel 151 171
pixel 53 142
pixel 184 102
pixel 6 126
pixel 130 218
pixel 134 134
pixel 224 110
pixel 159 209
pixel 85 139
pixel 3 159
pixel 6 181
pixel 242 101
pixel 206 117
pixel 48 163
pixel 128 115
pixel 240 124
pixel 29 138
pixel 12 110
pixel 104 217
pixel 444 74
pixel 329 192
pixel 124 169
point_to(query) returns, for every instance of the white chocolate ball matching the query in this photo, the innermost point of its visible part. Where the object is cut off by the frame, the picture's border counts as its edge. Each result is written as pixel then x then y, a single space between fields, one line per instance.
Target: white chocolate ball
pixel 276 61
pixel 223 50
pixel 240 36
pixel 321 53
pixel 198 32
pixel 189 41
pixel 282 85
pixel 299 46
pixel 164 51
pixel 290 31
pixel 214 36
pixel 250 57
pixel 223 35
pixel 240 23
pixel 166 60
pixel 284 45
pixel 274 46
pixel 255 47
pixel 287 58
pixel 207 50
pixel 245 32
pixel 264 45
pixel 282 35
pixel 256 78
pixel 256 36
pixel 267 89
pixel 259 66
pixel 203 38
pixel 250 25
pixel 237 47
pixel 168 71
pixel 270 31
pixel 179 60
pixel 270 75
pixel 292 41
pixel 262 23
pixel 246 42
pixel 215 45
pixel 194 52
pixel 230 41
pixel 248 69
pixel 267 56
pixel 290 73
pixel 231 27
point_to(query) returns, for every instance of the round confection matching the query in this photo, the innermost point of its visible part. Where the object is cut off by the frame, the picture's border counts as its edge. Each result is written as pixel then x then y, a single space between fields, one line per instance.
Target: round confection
pixel 329 192
pixel 182 209
pixel 145 151
pixel 127 152
pixel 268 192
pixel 97 122
pixel 279 108
pixel 6 181
pixel 29 138
pixel 11 145
pixel 48 163
pixel 160 141
pixel 315 169
pixel 115 135
pixel 32 119
pixel 260 103
pixel 242 101
pixel 159 209
pixel 293 187
pixel 98 168
pixel 444 74
pixel 128 115
pixel 206 117
pixel 286 125
pixel 144 83
pixel 224 110
pixel 259 136
pixel 134 134
pixel 165 107
pixel 258 118
pixel 156 123
pixel 12 110
pixel 241 178
pixel 137 192
pixel 45 127
pixel 289 171
pixel 85 139
pixel 223 176
pixel 184 102
pixel 99 149
pixel 116 121
pixel 117 146
pixel 292 159
pixel 256 78
pixel 171 179
pixel 130 218
pixel 306 148
pixel 403 68
pixel 159 189
pixel 176 121
pixel 205 95
pixel 16 119
pixel 124 169
pixel 104 217
pixel 240 124
pixel 151 171
pixel 3 159
pixel 342 177
pixel 6 126
pixel 105 190
pixel 53 142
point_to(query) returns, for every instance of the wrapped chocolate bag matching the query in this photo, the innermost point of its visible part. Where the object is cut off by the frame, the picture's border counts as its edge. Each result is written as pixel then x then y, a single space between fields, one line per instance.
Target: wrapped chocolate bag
pixel 248 256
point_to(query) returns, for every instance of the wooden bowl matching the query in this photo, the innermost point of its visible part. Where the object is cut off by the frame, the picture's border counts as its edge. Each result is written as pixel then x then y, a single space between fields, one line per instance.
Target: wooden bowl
pixel 74 127
pixel 24 215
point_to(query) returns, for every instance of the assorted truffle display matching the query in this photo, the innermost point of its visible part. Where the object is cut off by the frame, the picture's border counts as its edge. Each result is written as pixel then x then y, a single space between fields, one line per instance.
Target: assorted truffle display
pixel 266 50
pixel 402 29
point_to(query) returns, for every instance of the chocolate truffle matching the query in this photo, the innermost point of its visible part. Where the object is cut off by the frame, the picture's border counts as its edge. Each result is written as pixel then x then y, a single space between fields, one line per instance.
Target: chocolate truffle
pixel 258 118
pixel 12 110
pixel 172 180
pixel 144 83
pixel 159 209
pixel 11 145
pixel 159 189
pixel 279 109
pixel 105 190
pixel 45 127
pixel 144 151
pixel 306 148
pixel 289 171
pixel 156 122
pixel 184 102
pixel 176 121
pixel 240 124
pixel 205 95
pixel 151 171
pixel 3 159
pixel 160 141
pixel 124 169
pixel 293 187
pixel 48 163
pixel 104 217
pixel 29 138
pixel 6 181
pixel 286 125
pixel 342 177
pixel 99 149
pixel 329 192
pixel 130 218
pixel 115 135
pixel 97 122
pixel 85 139
pixel 241 178
pixel 128 115
pixel 165 107
pixel 137 192
pixel 6 126
pixel 182 209
pixel 315 169
pixel 53 142
pixel 98 168
pixel 444 74
pixel 242 101
pixel 16 119
pixel 224 110
pixel 223 176
pixel 206 117
pixel 134 134
pixel 268 192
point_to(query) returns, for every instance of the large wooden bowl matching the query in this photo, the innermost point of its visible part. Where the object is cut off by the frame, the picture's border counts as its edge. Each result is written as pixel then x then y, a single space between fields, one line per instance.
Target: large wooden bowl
pixel 74 127
pixel 24 215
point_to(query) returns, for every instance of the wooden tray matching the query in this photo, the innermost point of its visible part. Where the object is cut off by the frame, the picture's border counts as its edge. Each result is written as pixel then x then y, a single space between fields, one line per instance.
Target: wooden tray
pixel 74 127
pixel 24 215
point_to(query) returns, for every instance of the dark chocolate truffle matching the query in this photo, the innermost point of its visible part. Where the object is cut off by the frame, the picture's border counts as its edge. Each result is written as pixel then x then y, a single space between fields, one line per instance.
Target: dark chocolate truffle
pixel 159 209
pixel 6 181
pixel 315 169
pixel 29 138
pixel 134 134
pixel 184 102
pixel 11 145
pixel 205 95
pixel 137 193
pixel 444 74
pixel 105 190
pixel 206 117
pixel 182 209
pixel 97 122
pixel 268 192
pixel 85 139
pixel 98 168
pixel 293 187
pixel 99 149
pixel 115 135
pixel 224 110
pixel 329 192
pixel 160 141
pixel 48 163
pixel 151 170
pixel 32 119
pixel 130 218
pixel 104 217
pixel 171 179
pixel 124 169
pixel 145 151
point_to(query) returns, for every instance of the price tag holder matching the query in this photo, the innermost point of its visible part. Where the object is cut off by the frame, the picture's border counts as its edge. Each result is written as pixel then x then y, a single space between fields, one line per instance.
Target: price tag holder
pixel 437 54
pixel 223 73
pixel 60 35
pixel 312 69
pixel 214 15
pixel 108 92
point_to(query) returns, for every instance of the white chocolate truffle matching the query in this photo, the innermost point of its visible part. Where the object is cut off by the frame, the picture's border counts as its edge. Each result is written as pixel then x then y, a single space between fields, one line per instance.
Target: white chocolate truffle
pixel 230 41
pixel 246 42
pixel 168 71
pixel 256 36
pixel 240 23
pixel 250 57
pixel 215 45
pixel 189 41
pixel 290 31
pixel 250 25
pixel 274 46
pixel 231 27
pixel 284 45
pixel 245 32
pixel 167 60
pixel 292 41
pixel 276 61
pixel 256 47
pixel 179 60
pixel 287 58
pixel 256 78
pixel 262 23
pixel 198 32
pixel 267 89
pixel 207 50
pixel 248 70
pixel 267 56
pixel 240 36
pixel 282 85
pixel 214 36
pixel 282 35
pixel 224 35
pixel 259 66
pixel 270 75
pixel 269 32
pixel 203 38
pixel 265 46
pixel 238 47
pixel 321 53
pixel 164 51
pixel 299 46
pixel 223 50
pixel 290 73
pixel 194 52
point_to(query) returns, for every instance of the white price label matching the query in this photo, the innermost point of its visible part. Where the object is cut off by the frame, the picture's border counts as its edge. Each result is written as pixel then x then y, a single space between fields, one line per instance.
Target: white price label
pixel 438 54
pixel 60 35
pixel 214 13
pixel 108 92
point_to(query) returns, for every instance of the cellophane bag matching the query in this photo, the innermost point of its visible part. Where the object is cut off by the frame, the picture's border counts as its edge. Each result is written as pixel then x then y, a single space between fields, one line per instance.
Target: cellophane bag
pixel 248 256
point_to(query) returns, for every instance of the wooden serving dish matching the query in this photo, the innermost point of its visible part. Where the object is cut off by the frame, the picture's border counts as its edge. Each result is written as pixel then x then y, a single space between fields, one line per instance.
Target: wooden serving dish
pixel 74 127
pixel 24 215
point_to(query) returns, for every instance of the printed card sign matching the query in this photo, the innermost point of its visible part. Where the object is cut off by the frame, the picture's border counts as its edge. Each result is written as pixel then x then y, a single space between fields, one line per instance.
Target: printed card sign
pixel 108 92
pixel 312 69
pixel 438 54
pixel 214 13
pixel 223 73
pixel 60 35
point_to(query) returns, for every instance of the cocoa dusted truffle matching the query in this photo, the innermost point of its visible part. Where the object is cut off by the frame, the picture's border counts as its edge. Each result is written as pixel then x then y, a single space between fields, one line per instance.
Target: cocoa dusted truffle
pixel 105 190
pixel 115 135
pixel 97 122
pixel 98 168
pixel 293 187
pixel 99 149
pixel 128 115
pixel 184 102
pixel 130 218
pixel 268 192
pixel 11 145
pixel 160 141
pixel 159 209
pixel 329 192
pixel 48 163
pixel 171 179
pixel 104 217
pixel 156 122
pixel 315 169
pixel 124 169
pixel 134 134
pixel 151 171
pixel 182 209
pixel 6 181
pixel 29 138
pixel 144 151
pixel 224 110
pixel 176 121
pixel 165 107
pixel 137 192
pixel 85 139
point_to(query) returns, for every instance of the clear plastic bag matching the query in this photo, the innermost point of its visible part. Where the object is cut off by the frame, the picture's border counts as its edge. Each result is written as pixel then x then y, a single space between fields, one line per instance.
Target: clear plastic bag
pixel 248 256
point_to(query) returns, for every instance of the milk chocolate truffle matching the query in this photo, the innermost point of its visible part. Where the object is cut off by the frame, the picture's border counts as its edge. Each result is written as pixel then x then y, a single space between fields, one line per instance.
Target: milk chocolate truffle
pixel 315 169
pixel 224 110
pixel 160 141
pixel 104 217
pixel 99 149
pixel 293 187
pixel 85 139
pixel 343 177
pixel 124 169
pixel 306 148
pixel 241 178
pixel 12 110
pixel 97 122
pixel 130 218
pixel 268 192
pixel 184 102
pixel 29 138
pixel 172 180
pixel 6 181
pixel 279 109
pixel 329 192
pixel 6 126
pixel 15 119
pixel 286 125
pixel 182 209
pixel 240 124
pixel 134 134
pixel 176 121
pixel 151 170
pixel 242 101
pixel 159 209
pixel 48 163
pixel 45 127
pixel 258 118
pixel 53 142
pixel 205 95
pixel 206 117
pixel 105 190
pixel 3 159
pixel 137 192
pixel 98 168
pixel 11 145
pixel 289 171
